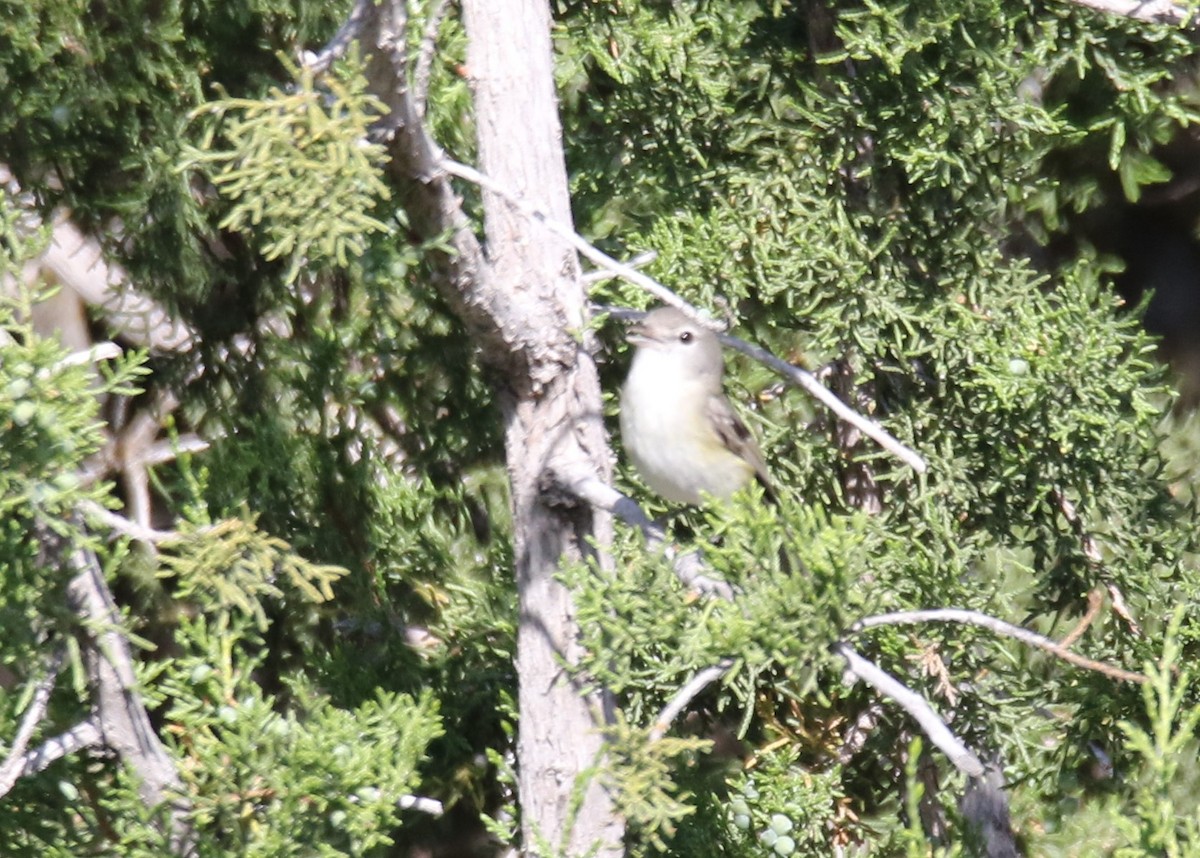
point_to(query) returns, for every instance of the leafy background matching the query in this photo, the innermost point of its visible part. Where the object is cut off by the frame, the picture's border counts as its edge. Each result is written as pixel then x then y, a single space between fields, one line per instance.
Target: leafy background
pixel 961 203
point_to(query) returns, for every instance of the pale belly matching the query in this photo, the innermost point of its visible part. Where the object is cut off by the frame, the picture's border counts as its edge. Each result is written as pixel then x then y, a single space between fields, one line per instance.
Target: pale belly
pixel 675 451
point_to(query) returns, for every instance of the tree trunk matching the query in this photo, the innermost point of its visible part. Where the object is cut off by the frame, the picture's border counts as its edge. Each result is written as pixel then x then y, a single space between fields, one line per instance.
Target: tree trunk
pixel 552 418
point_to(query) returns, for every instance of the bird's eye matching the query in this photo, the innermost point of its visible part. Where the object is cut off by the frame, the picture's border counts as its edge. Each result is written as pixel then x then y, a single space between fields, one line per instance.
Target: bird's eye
pixel 685 337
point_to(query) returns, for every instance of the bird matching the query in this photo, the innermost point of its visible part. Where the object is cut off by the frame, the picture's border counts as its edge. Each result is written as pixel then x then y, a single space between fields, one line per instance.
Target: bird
pixel 677 425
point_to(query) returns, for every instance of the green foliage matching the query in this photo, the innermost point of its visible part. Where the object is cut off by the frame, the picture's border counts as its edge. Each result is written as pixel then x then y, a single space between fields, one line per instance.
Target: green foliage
pixel 1165 823
pixel 49 426
pixel 786 809
pixel 864 185
pixel 297 165
pixel 93 114
pixel 294 773
pixel 897 187
pixel 637 774
pixel 236 566
pixel 316 779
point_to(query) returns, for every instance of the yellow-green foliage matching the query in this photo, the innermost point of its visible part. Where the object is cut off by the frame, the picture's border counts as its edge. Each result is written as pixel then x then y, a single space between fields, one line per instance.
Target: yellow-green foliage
pixel 298 167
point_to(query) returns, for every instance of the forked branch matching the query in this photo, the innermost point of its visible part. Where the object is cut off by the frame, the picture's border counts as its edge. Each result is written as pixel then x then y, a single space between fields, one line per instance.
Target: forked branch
pixel 974 618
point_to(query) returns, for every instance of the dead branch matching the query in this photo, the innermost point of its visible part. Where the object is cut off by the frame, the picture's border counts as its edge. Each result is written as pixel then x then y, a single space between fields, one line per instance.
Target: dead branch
pixel 1095 600
pixel 1121 609
pixel 1150 11
pixel 914 704
pixel 76 261
pixel 805 380
pixel 600 275
pixel 120 714
pixel 689 566
pixel 582 246
pixel 120 524
pixel 686 695
pixel 14 763
pixel 793 374
pixel 1091 551
pixel 974 618
pixel 85 734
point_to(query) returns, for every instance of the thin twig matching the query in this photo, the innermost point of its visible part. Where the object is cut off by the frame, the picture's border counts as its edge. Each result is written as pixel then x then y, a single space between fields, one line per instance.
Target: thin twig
pixel 689 566
pixel 600 275
pixel 804 379
pixel 1150 11
pixel 14 763
pixel 1095 600
pixel 85 734
pixel 686 695
pixel 1121 609
pixel 319 63
pixel 1091 551
pixel 974 618
pixel 808 382
pixel 420 803
pixel 598 257
pixel 424 65
pixel 126 527
pixel 585 248
pixel 915 705
pixel 169 449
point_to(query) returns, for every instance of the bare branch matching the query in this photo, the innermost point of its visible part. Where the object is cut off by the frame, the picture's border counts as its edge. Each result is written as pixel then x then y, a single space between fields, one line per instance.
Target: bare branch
pixel 689 566
pixel 106 350
pixel 915 705
pixel 1150 11
pixel 601 495
pixel 14 763
pixel 686 695
pixel 804 379
pixel 169 450
pixel 319 63
pixel 1095 600
pixel 121 715
pixel 125 527
pixel 1121 609
pixel 133 445
pixel 1091 551
pixel 600 275
pixel 85 734
pixel 584 248
pixel 77 261
pixel 974 618
pixel 807 381
pixel 420 803
pixel 793 374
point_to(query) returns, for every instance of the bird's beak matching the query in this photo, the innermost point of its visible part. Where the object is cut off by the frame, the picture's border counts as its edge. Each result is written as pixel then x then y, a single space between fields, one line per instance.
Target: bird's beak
pixel 636 335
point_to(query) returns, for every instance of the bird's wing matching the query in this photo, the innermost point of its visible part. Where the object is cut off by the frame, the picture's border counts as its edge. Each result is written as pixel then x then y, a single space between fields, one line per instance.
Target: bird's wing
pixel 739 440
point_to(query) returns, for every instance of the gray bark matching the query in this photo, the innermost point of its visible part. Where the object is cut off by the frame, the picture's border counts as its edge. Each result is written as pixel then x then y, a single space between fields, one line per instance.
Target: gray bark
pixel 552 418
pixel 521 299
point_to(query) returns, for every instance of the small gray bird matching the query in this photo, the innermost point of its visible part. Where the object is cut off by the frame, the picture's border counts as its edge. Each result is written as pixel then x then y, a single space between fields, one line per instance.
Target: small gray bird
pixel 677 425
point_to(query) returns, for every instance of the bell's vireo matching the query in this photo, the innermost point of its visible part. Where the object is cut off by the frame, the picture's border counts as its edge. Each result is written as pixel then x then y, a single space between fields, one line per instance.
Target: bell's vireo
pixel 677 426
